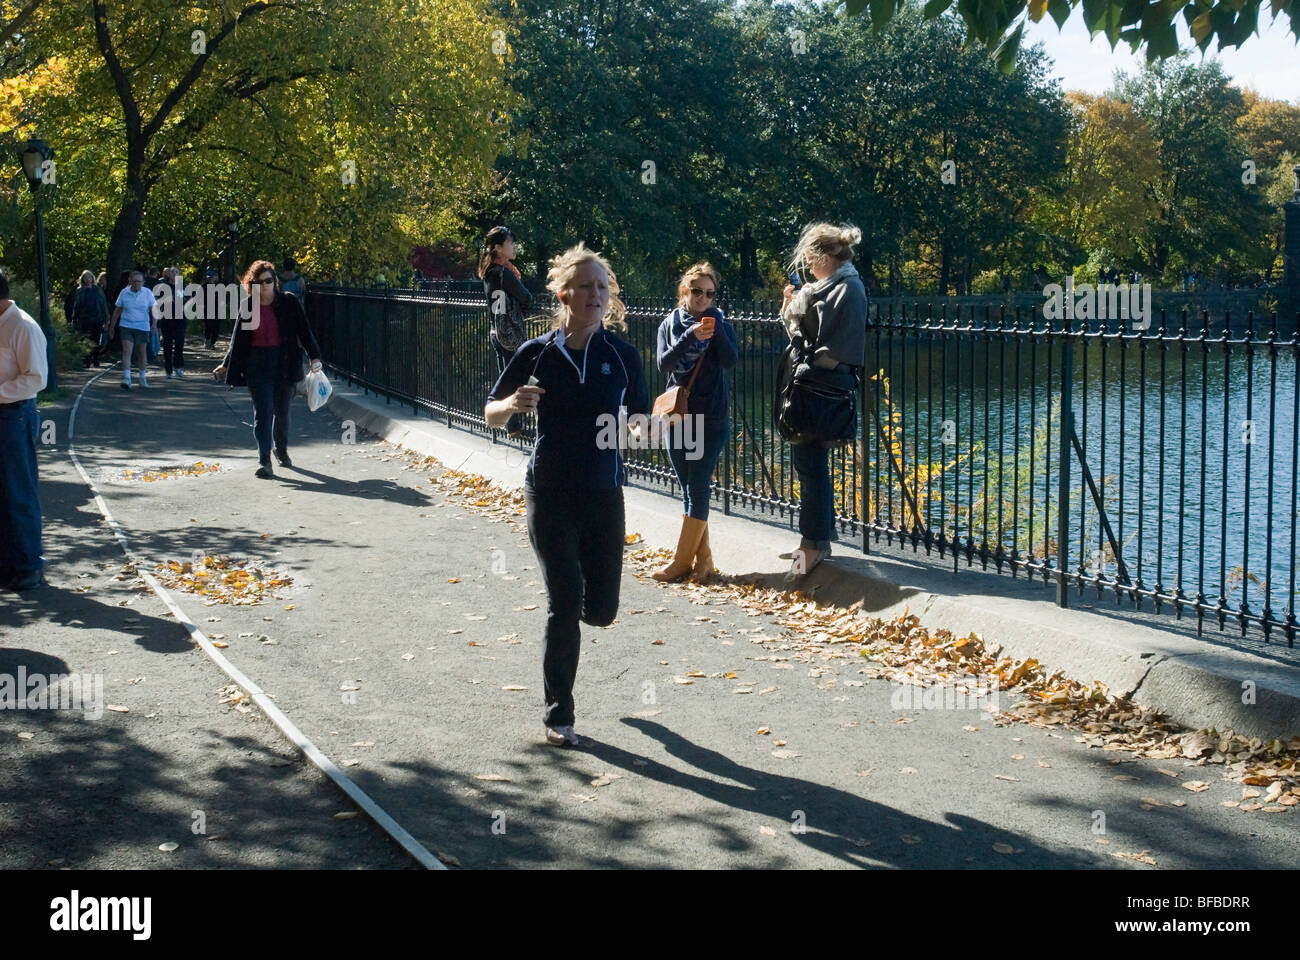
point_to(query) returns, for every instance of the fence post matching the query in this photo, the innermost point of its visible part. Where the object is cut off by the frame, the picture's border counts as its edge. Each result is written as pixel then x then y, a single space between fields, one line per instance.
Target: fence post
pixel 1063 488
pixel 863 446
pixel 726 469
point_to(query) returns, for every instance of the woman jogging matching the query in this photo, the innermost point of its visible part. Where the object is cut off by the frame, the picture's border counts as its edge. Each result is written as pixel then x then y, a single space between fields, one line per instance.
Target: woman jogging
pixel 266 356
pixel 574 378
pixel 508 303
pixel 830 316
pixel 697 345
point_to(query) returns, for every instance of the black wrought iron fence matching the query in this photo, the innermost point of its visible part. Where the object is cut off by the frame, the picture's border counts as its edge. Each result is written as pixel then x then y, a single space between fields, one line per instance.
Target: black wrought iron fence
pixel 1158 465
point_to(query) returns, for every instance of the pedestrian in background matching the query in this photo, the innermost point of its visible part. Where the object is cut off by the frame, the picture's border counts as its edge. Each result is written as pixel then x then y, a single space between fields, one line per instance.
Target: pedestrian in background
pixel 830 315
pixel 266 356
pixel 574 377
pixel 23 374
pixel 173 326
pixel 211 321
pixel 509 302
pixel 291 281
pixel 133 318
pixel 696 347
pixel 89 316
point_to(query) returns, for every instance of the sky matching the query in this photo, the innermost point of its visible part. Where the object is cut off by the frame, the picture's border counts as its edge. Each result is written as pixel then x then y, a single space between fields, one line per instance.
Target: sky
pixel 1269 62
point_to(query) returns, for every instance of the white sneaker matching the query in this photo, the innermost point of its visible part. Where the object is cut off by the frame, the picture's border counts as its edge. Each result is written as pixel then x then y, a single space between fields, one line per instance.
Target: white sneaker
pixel 144 380
pixel 170 375
pixel 180 374
pixel 558 736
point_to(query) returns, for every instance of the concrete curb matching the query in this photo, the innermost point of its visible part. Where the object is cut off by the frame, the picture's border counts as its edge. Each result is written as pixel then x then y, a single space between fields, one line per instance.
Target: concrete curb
pixel 1197 683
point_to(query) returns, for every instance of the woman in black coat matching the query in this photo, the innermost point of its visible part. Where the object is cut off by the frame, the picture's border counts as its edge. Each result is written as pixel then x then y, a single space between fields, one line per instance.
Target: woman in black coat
pixel 509 302
pixel 266 356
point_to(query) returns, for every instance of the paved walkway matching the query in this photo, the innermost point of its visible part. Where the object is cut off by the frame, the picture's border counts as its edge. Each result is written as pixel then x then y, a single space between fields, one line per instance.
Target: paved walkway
pixel 414 622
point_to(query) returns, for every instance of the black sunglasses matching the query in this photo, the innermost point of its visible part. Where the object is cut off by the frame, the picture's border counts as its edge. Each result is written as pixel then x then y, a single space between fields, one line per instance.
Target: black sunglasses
pixel 697 292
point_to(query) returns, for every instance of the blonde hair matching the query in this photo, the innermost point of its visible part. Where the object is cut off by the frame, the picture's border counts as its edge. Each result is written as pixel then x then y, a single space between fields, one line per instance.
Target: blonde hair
pixel 560 276
pixel 696 272
pixel 86 275
pixel 822 239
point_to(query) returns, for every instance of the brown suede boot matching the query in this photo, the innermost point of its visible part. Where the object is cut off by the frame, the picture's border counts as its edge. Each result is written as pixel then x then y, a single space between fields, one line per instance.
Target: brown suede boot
pixel 688 541
pixel 702 570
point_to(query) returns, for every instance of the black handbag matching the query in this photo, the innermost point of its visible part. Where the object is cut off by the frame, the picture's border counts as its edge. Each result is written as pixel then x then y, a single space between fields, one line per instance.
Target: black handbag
pixel 509 326
pixel 812 404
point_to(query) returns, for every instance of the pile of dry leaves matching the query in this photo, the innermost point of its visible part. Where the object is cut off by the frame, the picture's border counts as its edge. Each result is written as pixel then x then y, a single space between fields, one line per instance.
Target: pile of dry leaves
pixel 168 473
pixel 223 580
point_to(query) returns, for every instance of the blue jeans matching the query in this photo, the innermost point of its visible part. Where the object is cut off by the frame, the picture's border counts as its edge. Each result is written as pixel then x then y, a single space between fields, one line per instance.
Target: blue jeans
pixel 20 504
pixel 696 475
pixel 816 497
pixel 271 396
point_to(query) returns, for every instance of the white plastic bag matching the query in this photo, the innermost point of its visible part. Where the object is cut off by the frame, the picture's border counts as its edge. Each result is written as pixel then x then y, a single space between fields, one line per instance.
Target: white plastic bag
pixel 318 390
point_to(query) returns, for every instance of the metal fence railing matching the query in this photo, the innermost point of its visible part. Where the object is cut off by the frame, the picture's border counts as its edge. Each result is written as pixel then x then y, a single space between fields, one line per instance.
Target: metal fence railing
pixel 1159 466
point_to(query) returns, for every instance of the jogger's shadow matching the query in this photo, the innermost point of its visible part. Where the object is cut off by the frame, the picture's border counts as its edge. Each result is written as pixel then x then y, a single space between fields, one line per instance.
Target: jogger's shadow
pixel 299 477
pixel 839 823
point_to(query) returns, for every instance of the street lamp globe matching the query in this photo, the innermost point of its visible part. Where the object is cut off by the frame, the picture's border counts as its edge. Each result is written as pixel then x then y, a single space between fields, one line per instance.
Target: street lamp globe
pixel 35 153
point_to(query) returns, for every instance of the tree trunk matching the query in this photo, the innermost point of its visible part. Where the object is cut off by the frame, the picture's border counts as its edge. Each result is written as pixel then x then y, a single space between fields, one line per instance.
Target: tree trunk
pixel 126 231
pixel 945 267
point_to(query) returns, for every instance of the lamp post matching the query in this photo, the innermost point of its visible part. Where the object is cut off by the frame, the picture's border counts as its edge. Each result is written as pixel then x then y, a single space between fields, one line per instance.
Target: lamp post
pixel 232 231
pixel 35 154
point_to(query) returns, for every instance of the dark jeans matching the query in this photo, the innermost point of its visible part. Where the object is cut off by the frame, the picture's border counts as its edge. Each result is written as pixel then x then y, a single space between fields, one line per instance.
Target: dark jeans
pixel 816 497
pixel 271 396
pixel 173 343
pixel 516 422
pixel 20 504
pixel 696 475
pixel 211 330
pixel 94 334
pixel 578 538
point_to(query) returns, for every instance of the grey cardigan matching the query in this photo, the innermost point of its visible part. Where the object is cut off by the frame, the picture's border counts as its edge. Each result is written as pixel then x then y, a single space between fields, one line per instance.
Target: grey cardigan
pixel 837 309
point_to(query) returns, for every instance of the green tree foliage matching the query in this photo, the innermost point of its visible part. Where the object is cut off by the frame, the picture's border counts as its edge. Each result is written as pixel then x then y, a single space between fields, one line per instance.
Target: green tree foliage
pixel 1000 24
pixel 180 116
pixel 1204 214
pixel 628 120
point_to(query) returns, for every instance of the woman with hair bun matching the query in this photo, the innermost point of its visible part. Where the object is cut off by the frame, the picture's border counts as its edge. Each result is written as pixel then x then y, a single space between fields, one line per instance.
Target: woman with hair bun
pixel 830 315
pixel 575 377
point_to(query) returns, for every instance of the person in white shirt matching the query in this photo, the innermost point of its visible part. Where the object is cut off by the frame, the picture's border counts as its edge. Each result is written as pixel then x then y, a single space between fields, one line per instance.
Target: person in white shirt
pixel 23 374
pixel 134 309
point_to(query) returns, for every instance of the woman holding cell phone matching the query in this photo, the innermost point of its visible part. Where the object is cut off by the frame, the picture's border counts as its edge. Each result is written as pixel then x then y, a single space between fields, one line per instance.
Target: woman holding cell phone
pixel 830 316
pixel 696 347
pixel 573 378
